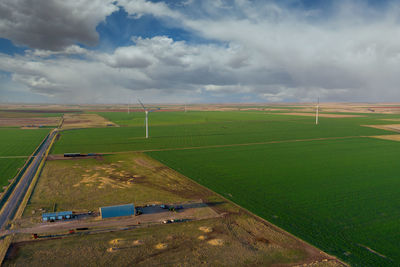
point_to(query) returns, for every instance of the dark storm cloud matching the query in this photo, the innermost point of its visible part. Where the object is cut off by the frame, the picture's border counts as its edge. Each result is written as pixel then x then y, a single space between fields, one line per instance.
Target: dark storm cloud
pixel 51 24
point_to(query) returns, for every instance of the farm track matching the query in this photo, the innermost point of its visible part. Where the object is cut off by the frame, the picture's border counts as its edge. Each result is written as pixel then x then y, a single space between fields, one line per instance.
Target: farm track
pixel 243 144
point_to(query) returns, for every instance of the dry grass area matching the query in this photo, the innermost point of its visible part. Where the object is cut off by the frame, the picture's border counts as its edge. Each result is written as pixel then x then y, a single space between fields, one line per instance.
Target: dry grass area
pixel 87 184
pixel 324 115
pixel 83 120
pixel 30 121
pixel 235 238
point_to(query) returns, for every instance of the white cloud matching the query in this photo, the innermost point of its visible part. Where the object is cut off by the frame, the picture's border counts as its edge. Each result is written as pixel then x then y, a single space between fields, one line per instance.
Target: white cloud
pixel 261 50
pixel 138 8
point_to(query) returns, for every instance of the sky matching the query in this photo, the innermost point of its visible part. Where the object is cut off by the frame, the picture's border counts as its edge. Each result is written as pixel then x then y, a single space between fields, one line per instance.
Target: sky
pixel 199 51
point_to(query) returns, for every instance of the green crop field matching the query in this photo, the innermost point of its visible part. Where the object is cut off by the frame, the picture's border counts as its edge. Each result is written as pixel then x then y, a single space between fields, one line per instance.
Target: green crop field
pixel 340 195
pixel 9 168
pixel 179 118
pixel 218 128
pixel 17 142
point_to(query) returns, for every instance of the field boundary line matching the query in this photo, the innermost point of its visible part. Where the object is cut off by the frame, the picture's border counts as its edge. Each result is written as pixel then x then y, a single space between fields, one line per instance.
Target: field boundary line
pixel 269 224
pixel 233 145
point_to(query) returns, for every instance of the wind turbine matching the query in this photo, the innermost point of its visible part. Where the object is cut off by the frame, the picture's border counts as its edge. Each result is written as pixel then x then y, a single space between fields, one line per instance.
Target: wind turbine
pixel 316 112
pixel 146 112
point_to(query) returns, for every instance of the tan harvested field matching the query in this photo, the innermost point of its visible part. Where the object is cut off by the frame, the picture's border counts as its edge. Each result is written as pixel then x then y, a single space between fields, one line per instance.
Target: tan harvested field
pixel 321 115
pixel 83 120
pixel 389 127
pixel 394 137
pixel 217 233
pixel 29 122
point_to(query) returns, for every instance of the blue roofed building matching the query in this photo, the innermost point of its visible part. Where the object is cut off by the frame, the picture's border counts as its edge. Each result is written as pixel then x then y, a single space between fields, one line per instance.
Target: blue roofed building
pixel 117 211
pixel 53 216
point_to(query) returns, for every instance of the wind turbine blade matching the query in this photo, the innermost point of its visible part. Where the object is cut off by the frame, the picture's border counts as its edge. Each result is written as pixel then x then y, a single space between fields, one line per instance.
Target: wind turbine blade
pixel 142 104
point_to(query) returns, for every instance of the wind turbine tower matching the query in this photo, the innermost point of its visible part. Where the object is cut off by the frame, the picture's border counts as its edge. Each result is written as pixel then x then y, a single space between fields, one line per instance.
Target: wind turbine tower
pixel 316 112
pixel 146 112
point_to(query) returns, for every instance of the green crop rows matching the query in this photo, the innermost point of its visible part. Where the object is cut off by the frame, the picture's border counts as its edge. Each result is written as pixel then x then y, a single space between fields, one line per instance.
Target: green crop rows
pixel 217 128
pixel 8 169
pixel 17 142
pixel 340 195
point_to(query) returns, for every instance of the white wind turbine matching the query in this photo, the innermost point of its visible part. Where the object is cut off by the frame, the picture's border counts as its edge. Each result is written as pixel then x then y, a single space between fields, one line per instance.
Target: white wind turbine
pixel 146 120
pixel 316 112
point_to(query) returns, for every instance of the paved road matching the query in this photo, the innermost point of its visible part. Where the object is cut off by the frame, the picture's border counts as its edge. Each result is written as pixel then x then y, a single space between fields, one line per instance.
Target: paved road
pixel 11 206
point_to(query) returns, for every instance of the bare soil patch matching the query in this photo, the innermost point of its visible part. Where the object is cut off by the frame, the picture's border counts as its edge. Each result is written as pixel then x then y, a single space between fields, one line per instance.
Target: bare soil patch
pixel 84 120
pixel 205 229
pixel 216 242
pixel 394 137
pixel 161 246
pixel 29 122
pixel 388 127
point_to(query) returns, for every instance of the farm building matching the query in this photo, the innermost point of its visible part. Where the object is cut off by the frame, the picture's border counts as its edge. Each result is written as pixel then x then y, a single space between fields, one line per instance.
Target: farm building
pixel 117 211
pixel 53 216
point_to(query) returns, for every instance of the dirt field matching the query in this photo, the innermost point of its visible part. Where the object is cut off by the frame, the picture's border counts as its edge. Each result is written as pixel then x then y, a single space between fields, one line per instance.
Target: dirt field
pixel 217 233
pixel 83 120
pixel 29 122
pixel 395 137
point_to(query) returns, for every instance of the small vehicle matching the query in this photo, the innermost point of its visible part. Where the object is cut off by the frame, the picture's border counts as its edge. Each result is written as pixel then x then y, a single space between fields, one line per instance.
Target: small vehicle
pixel 164 206
pixel 179 207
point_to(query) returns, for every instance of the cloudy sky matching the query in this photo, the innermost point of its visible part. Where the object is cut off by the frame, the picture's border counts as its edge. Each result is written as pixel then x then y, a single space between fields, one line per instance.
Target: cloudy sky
pixel 100 51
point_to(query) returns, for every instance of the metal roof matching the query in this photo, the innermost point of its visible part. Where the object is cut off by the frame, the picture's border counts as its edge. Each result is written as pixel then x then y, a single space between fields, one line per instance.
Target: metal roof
pixel 117 211
pixel 60 213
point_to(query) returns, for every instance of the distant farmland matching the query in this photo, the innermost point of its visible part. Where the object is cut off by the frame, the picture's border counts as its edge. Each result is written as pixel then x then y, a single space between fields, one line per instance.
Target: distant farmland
pixel 340 195
pixel 218 128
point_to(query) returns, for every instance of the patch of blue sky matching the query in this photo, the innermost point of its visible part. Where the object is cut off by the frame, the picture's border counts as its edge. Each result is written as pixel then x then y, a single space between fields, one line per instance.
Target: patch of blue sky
pixel 119 28
pixel 9 48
